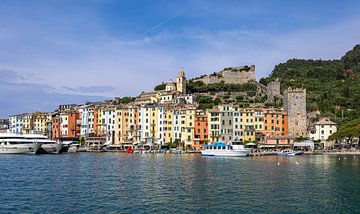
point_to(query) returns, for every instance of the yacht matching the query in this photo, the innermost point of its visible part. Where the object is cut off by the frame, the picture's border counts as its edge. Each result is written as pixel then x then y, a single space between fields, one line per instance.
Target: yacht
pixel 50 147
pixel 47 146
pixel 225 150
pixel 11 143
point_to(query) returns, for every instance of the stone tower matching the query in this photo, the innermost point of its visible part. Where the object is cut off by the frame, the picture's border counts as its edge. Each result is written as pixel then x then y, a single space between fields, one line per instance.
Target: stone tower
pixel 273 91
pixel 181 82
pixel 295 107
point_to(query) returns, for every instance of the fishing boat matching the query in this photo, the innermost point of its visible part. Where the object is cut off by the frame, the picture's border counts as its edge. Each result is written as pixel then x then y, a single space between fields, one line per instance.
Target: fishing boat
pixel 225 150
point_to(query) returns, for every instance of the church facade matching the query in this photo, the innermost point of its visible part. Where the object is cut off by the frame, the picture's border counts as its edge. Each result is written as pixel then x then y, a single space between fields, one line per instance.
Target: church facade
pixel 174 92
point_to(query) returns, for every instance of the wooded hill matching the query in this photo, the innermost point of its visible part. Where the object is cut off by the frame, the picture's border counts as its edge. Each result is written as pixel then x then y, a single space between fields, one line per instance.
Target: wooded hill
pixel 333 86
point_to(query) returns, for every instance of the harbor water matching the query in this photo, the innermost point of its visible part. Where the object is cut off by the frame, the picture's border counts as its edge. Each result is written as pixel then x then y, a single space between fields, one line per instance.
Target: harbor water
pixel 186 183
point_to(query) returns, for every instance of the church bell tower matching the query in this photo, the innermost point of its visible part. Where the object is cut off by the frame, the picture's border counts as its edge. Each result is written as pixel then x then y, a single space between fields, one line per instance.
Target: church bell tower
pixel 181 82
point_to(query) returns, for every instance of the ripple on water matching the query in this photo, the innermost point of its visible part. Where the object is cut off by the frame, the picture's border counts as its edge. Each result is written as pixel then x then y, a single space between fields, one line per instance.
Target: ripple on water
pixel 164 183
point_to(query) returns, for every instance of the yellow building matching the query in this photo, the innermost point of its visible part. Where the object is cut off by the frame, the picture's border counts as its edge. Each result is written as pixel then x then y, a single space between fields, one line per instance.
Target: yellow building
pixel 168 126
pixel 27 123
pixel 248 124
pixel 41 123
pixel 99 125
pixel 121 125
pixel 153 119
pixel 214 124
pixel 259 124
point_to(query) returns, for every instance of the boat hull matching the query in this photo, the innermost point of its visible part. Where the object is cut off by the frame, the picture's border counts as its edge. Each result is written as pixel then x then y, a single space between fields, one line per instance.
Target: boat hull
pixel 228 153
pixel 54 148
pixel 290 154
pixel 20 149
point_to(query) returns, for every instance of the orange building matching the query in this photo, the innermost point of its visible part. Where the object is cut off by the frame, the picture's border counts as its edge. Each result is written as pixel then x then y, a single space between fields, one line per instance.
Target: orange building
pixel 74 124
pixel 55 126
pixel 96 133
pixel 201 129
pixel 275 123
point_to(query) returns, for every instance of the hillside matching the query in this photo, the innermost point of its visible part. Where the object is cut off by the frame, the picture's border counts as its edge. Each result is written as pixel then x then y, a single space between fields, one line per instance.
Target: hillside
pixel 333 86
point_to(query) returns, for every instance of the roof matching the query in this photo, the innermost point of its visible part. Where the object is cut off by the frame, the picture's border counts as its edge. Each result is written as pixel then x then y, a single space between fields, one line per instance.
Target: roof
pixel 325 121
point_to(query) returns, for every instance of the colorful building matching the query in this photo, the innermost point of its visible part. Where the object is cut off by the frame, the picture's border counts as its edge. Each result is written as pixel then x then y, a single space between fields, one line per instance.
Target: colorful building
pixel 201 133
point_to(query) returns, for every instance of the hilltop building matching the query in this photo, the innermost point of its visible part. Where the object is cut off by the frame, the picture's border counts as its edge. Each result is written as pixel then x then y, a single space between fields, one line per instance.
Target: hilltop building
pixel 295 107
pixel 230 75
pixel 273 91
pixel 170 94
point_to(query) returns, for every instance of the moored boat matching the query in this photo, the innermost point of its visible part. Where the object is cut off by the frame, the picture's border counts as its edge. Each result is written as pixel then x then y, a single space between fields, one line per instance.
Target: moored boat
pixel 51 147
pixel 290 153
pixel 73 148
pixel 225 150
pixel 18 144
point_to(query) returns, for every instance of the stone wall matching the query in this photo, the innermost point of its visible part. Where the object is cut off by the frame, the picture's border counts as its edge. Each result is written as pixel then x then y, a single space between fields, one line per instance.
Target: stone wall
pixel 295 107
pixel 231 75
pixel 273 91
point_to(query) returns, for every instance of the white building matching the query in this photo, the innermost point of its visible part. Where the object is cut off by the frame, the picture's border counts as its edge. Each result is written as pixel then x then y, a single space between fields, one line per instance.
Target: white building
pixel 108 123
pixel 64 120
pixel 160 126
pixel 322 130
pixel 87 120
pixel 16 123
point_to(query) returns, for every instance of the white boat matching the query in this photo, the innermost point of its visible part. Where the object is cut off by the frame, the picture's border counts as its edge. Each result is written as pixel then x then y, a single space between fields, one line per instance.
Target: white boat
pixel 225 150
pixel 290 153
pixel 18 144
pixel 47 146
pixel 74 148
pixel 50 147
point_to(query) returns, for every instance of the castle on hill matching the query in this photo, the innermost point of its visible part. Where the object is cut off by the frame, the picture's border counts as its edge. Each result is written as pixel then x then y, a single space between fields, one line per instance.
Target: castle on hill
pixel 230 75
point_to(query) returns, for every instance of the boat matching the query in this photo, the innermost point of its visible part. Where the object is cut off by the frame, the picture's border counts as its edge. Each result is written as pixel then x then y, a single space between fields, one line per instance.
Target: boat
pixel 50 147
pixel 47 146
pixel 11 143
pixel 225 150
pixel 73 148
pixel 289 153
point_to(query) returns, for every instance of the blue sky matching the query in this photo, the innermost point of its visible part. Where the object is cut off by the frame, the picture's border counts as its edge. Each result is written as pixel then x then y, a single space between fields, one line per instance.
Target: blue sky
pixel 53 52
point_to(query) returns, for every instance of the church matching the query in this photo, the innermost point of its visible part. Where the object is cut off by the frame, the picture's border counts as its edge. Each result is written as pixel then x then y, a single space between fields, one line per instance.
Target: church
pixel 174 92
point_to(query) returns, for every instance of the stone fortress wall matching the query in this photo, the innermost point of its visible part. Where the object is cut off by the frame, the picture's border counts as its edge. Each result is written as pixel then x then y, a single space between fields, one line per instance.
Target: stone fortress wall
pixel 230 75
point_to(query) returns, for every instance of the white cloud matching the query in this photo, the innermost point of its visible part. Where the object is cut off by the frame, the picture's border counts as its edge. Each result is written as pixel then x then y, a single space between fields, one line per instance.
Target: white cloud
pixel 128 67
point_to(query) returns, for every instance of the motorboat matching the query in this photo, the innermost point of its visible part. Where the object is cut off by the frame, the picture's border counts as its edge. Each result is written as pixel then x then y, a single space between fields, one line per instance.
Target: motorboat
pixel 289 153
pixel 11 143
pixel 50 147
pixel 225 150
pixel 73 148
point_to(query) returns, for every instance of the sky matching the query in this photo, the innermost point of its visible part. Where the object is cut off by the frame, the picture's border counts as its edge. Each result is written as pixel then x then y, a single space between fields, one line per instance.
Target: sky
pixel 73 51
